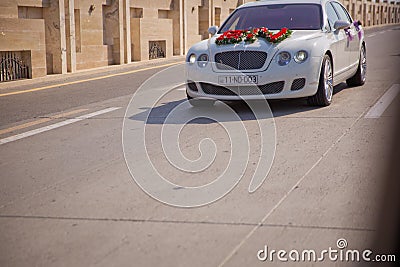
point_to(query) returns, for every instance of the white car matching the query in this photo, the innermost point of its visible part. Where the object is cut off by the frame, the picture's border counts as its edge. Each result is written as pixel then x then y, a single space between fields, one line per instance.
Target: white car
pixel 278 49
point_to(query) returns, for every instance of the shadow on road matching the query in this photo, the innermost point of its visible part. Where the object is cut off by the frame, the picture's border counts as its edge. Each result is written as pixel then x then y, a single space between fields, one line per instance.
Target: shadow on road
pixel 202 115
pixel 279 108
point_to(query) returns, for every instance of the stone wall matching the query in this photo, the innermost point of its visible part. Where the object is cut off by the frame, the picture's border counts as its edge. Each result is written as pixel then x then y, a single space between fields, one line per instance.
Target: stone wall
pixel 372 13
pixel 91 49
pixel 152 23
pixel 22 28
pixel 67 35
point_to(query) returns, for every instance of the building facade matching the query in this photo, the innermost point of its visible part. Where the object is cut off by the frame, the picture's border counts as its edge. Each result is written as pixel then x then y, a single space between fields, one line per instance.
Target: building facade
pixel 39 37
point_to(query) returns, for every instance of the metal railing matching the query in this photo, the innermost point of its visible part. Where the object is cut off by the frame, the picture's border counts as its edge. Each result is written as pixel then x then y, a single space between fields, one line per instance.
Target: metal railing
pixel 12 67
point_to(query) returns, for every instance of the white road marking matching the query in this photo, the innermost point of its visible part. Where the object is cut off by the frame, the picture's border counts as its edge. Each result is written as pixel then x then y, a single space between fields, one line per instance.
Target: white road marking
pixel 375 33
pixel 379 108
pixel 55 126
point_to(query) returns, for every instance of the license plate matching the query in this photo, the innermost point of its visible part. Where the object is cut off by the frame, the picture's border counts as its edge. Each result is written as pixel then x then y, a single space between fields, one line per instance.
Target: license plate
pixel 238 79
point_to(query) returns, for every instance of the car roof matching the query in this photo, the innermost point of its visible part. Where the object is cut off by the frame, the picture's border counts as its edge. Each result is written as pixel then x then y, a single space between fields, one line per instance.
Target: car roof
pixel 277 2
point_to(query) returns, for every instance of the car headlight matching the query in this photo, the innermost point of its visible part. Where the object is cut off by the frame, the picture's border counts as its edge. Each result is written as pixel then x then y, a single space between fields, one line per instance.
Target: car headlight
pixel 202 61
pixel 192 59
pixel 300 56
pixel 284 58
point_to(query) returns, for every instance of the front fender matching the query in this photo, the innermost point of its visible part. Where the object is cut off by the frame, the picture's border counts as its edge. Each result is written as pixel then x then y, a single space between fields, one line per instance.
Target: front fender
pixel 198 48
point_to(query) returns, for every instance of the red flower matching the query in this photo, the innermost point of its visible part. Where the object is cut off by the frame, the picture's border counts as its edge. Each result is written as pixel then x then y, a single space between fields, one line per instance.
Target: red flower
pixel 250 35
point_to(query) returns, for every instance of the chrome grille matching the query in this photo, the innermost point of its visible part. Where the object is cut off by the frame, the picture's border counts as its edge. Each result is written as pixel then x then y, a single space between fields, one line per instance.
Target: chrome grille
pixel 240 60
pixel 266 89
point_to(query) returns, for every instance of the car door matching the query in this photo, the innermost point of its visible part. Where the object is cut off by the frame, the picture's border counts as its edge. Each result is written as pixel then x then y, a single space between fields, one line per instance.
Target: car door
pixel 353 39
pixel 338 42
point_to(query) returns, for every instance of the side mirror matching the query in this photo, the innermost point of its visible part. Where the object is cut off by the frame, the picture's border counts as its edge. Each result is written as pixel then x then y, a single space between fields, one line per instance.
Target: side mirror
pixel 213 30
pixel 341 25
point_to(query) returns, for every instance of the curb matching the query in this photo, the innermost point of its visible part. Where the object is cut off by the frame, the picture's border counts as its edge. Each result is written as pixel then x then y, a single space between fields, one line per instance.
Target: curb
pixel 82 74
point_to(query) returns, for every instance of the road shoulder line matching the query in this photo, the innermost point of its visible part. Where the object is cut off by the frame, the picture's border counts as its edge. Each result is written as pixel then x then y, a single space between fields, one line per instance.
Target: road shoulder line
pixel 383 103
pixel 40 121
pixel 55 126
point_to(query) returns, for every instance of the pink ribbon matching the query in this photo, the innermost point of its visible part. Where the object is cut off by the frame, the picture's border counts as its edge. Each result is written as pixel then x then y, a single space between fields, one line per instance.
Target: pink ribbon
pixel 357 24
pixel 348 33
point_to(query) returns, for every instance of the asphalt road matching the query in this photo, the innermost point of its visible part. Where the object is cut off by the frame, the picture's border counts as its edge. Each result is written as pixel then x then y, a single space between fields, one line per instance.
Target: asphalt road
pixel 67 197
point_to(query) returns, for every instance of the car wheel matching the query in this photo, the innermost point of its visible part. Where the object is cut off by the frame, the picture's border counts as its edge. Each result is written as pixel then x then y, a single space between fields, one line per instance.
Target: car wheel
pixel 324 94
pixel 361 75
pixel 200 102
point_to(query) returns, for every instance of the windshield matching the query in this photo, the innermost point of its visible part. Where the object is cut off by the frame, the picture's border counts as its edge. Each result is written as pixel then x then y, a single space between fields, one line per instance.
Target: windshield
pixel 276 17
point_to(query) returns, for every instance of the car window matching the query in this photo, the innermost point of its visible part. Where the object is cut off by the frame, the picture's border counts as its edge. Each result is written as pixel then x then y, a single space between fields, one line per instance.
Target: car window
pixel 275 17
pixel 331 14
pixel 342 12
pixel 234 24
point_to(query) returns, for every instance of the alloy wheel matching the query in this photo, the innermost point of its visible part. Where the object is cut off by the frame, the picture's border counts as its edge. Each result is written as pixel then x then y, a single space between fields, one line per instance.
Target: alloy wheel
pixel 363 64
pixel 328 80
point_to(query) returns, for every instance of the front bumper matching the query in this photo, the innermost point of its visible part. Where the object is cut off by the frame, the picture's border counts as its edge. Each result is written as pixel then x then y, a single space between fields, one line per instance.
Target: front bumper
pixel 276 82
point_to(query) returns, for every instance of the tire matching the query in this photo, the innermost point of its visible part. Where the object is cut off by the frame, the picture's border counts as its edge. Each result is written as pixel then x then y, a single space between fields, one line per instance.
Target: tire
pixel 200 102
pixel 324 94
pixel 361 75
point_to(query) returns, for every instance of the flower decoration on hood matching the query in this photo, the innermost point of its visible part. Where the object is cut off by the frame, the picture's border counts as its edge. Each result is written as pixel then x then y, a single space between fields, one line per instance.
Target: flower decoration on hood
pixel 251 35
